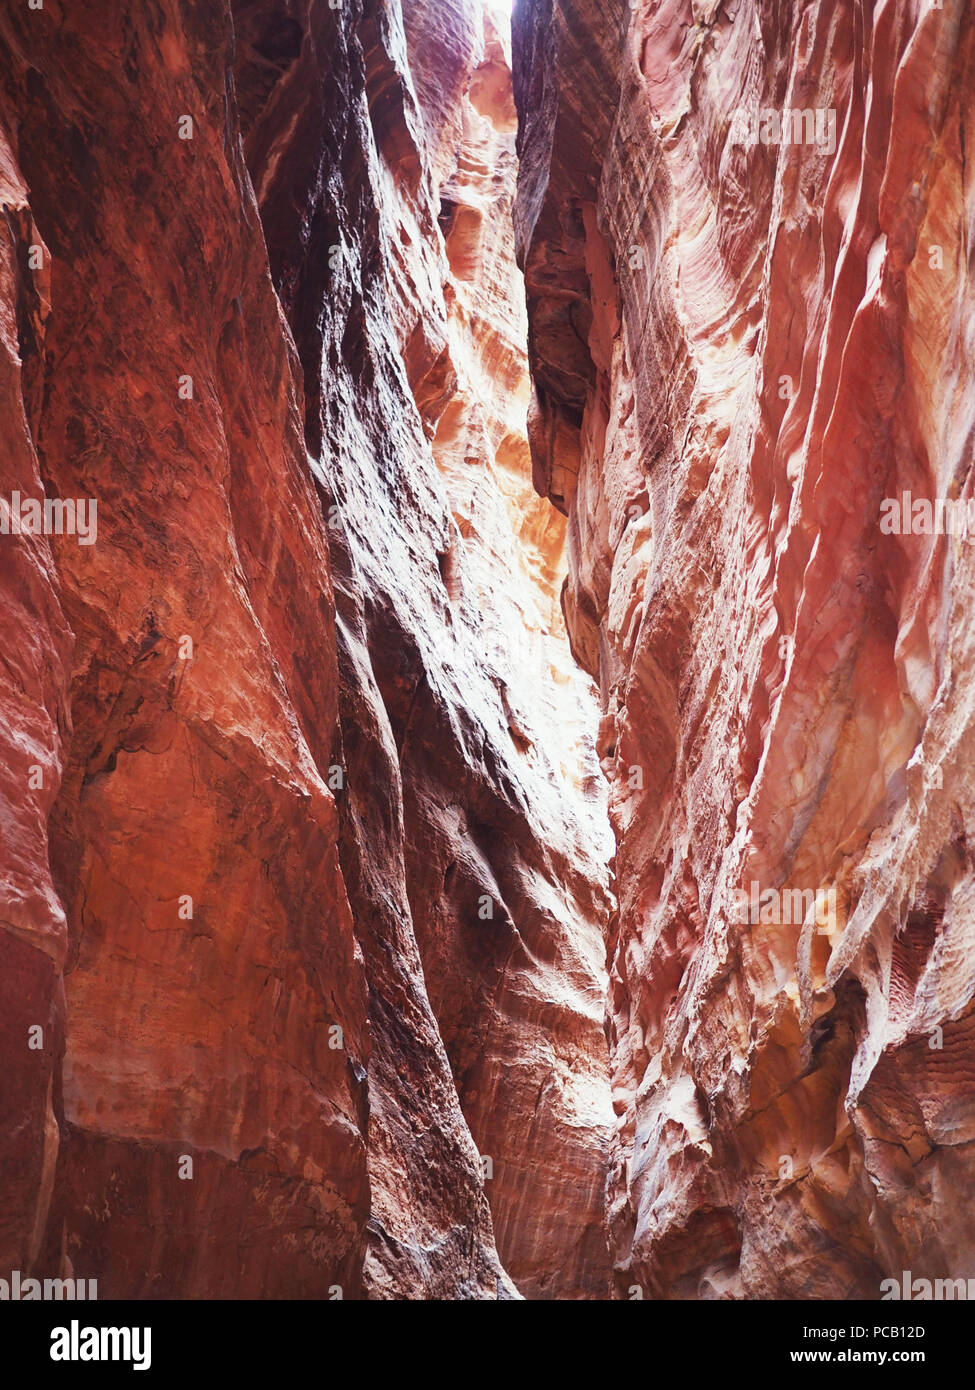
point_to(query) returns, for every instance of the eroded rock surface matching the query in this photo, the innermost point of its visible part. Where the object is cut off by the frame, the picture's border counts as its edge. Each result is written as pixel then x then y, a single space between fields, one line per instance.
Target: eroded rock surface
pixel 311 889
pixel 740 347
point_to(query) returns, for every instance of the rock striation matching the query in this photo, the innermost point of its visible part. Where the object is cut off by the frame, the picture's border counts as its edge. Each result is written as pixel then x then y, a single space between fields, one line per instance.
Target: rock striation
pixel 745 230
pixel 303 834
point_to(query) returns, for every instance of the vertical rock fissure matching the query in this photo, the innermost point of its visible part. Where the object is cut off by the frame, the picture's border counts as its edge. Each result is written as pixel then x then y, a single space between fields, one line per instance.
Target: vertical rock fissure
pixel 485 858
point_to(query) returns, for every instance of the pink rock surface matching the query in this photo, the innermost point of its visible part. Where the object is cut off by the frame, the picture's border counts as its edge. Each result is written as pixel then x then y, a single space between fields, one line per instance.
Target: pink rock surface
pixel 738 351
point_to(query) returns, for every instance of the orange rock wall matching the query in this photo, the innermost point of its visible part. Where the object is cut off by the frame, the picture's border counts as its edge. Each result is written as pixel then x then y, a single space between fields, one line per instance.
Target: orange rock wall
pixel 308 897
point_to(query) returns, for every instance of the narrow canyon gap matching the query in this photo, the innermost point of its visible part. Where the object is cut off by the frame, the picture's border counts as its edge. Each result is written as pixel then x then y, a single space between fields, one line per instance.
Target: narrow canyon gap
pixel 323 971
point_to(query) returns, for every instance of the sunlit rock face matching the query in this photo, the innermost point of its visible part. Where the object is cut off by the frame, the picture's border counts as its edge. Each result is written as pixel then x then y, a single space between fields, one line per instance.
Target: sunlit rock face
pixel 473 810
pixel 308 898
pixel 741 346
pixel 541 993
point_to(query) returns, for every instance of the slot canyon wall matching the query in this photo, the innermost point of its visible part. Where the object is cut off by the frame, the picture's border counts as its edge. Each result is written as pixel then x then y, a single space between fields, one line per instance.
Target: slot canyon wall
pixel 305 894
pixel 743 346
pixel 303 836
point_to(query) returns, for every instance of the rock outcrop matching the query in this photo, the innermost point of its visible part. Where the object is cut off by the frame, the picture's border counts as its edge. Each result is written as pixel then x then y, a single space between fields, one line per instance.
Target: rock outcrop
pixel 746 232
pixel 303 837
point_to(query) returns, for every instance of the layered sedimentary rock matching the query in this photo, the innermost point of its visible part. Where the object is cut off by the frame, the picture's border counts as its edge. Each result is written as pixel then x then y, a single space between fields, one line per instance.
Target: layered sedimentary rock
pixel 304 875
pixel 746 231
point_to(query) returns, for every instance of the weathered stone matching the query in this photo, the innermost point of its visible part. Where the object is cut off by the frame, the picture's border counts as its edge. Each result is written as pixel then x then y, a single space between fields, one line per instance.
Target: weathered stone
pixel 739 349
pixel 309 903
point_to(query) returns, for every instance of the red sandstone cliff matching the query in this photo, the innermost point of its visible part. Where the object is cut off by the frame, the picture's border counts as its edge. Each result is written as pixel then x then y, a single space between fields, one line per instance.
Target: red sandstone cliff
pixel 740 347
pixel 308 896
pixel 303 885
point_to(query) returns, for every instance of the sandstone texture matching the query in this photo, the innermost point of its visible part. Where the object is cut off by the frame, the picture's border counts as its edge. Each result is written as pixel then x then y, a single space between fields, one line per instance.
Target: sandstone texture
pixel 302 831
pixel 740 348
